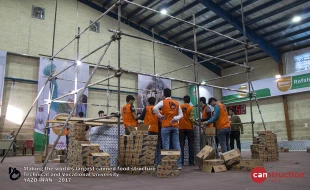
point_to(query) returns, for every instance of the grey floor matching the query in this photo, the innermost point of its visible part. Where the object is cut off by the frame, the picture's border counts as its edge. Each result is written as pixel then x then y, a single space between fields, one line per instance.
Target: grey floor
pixel 190 177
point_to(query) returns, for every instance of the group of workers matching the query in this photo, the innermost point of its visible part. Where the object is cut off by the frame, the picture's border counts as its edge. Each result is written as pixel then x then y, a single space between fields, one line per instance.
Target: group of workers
pixel 174 122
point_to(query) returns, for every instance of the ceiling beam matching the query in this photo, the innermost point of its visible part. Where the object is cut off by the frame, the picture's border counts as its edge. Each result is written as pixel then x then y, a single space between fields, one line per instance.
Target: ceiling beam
pixel 190 18
pixel 133 13
pixel 208 65
pixel 251 35
pixel 277 11
pixel 181 10
pixel 153 14
pixel 209 20
pixel 234 45
pixel 247 13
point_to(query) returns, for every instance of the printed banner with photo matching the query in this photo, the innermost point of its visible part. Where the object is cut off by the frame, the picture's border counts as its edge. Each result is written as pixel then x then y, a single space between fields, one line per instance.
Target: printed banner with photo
pixel 287 84
pixel 2 74
pixel 149 84
pixel 63 84
pixel 204 91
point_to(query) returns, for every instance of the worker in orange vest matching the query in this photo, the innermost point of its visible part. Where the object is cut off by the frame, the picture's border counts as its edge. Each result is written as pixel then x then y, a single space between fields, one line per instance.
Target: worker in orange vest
pixel 221 120
pixel 130 117
pixel 149 117
pixel 171 114
pixel 186 129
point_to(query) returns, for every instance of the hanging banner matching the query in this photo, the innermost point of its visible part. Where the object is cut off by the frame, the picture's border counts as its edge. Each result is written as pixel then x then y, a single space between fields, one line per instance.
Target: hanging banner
pixel 288 84
pixel 63 84
pixel 204 91
pixel 2 74
pixel 147 86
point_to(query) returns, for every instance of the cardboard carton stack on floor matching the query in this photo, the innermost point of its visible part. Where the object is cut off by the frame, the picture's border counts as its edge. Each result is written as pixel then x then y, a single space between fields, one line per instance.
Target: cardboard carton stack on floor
pixel 60 154
pixel 137 150
pixel 268 146
pixel 168 167
pixel 232 159
pixel 207 162
pixel 265 147
pixel 100 164
pixel 79 148
pixel 143 153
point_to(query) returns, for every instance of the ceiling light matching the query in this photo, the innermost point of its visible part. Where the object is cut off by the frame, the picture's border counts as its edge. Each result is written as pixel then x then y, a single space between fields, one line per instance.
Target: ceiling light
pixel 78 62
pixel 278 76
pixel 203 82
pixel 163 11
pixel 296 19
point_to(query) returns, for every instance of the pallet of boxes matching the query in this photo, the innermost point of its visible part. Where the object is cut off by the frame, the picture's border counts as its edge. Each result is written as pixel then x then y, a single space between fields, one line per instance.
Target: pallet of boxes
pixel 84 157
pixel 208 163
pixel 137 153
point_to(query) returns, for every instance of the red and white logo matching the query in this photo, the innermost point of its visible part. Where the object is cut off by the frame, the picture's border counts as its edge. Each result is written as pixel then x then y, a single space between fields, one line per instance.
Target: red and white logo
pixel 259 175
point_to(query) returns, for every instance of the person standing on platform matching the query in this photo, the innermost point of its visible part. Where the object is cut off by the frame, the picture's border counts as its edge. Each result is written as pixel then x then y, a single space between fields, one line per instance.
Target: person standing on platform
pixel 222 122
pixel 171 114
pixel 149 117
pixel 130 118
pixel 186 129
pixel 236 126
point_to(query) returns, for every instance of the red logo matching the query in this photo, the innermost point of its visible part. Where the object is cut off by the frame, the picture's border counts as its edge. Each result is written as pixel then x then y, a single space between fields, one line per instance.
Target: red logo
pixel 259 175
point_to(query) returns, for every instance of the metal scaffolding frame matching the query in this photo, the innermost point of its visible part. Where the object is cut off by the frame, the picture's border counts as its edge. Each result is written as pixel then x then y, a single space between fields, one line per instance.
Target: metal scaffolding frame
pixel 119 71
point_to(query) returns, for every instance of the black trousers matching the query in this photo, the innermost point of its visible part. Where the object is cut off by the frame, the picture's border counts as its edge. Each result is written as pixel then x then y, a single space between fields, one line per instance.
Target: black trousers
pixel 235 135
pixel 189 134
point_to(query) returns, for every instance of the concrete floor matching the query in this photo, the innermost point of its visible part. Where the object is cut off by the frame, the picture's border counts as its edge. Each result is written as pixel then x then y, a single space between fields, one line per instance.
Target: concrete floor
pixel 190 177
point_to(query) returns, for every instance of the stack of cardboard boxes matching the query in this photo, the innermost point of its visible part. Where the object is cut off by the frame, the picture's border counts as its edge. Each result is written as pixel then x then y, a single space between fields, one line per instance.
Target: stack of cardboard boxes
pixel 137 150
pixel 99 164
pixel 207 162
pixel 79 149
pixel 265 147
pixel 168 167
pixel 268 146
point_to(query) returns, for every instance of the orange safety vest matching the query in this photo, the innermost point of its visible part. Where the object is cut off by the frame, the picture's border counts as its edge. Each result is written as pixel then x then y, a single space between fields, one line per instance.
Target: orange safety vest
pixel 151 119
pixel 67 132
pixel 204 115
pixel 185 122
pixel 223 120
pixel 170 109
pixel 128 119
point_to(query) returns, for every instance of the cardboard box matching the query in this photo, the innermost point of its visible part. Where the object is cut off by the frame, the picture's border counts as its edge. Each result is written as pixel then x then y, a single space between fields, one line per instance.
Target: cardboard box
pixel 245 169
pixel 39 158
pixel 147 157
pixel 142 147
pixel 206 153
pixel 215 169
pixel 252 163
pixel 169 162
pixel 213 162
pixel 170 154
pixel 235 167
pixel 210 131
pixel 150 137
pixel 151 142
pixel 230 155
pixel 233 161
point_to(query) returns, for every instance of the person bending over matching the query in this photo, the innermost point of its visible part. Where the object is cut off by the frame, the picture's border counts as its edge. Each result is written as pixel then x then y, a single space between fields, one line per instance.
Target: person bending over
pixel 222 122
